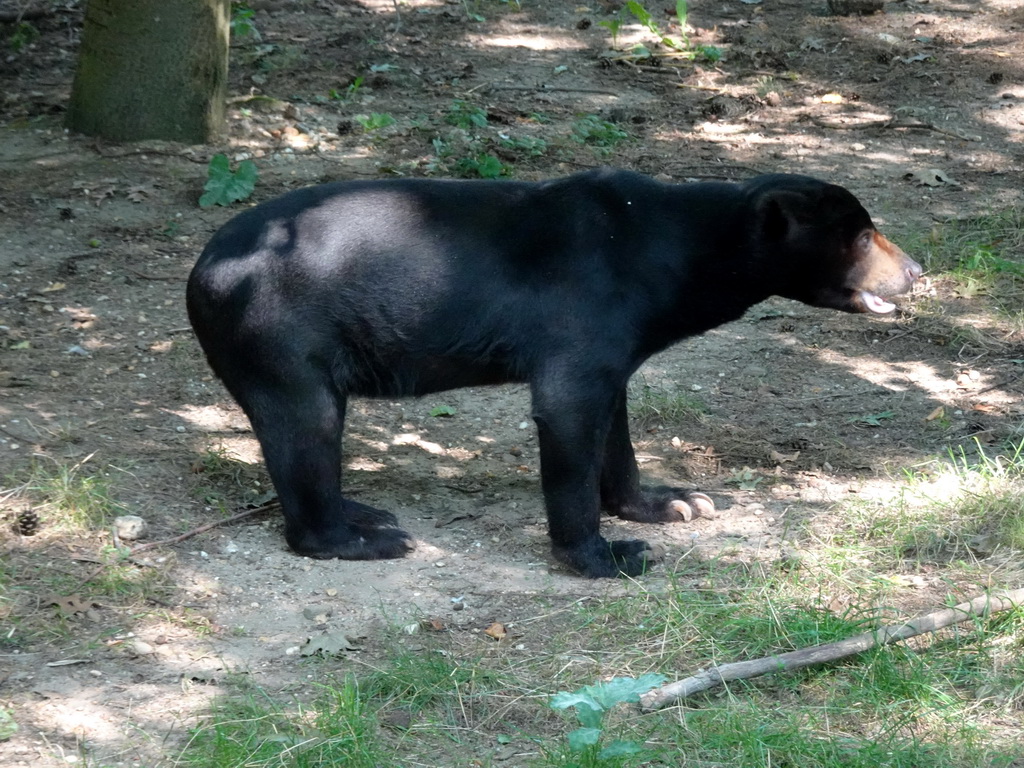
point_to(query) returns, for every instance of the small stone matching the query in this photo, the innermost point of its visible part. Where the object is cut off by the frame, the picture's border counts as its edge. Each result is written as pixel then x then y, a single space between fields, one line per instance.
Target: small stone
pixel 130 527
pixel 141 648
pixel 317 613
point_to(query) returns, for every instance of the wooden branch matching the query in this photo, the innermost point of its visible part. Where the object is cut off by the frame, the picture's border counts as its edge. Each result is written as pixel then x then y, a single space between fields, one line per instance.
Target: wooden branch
pixel 894 123
pixel 204 528
pixel 787 662
pixel 133 551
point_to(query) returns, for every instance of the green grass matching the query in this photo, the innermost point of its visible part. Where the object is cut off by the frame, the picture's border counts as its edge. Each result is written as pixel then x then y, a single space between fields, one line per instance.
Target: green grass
pixel 602 135
pixel 335 729
pixel 420 680
pixel 221 480
pixel 74 497
pixel 938 703
pixel 979 257
pixel 947 700
pixel 967 506
pixel 651 405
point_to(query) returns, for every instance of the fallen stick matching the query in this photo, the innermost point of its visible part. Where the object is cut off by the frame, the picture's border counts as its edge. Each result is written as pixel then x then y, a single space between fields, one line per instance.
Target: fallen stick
pixel 787 662
pixel 204 528
pixel 133 551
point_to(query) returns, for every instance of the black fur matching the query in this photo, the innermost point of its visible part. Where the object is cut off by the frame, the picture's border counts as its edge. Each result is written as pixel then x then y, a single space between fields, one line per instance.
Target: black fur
pixel 412 286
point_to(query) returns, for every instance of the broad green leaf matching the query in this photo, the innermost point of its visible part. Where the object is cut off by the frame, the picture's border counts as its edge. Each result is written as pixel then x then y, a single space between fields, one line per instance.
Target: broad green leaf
pixel 681 12
pixel 582 738
pixel 223 186
pixel 7 725
pixel 621 689
pixel 619 748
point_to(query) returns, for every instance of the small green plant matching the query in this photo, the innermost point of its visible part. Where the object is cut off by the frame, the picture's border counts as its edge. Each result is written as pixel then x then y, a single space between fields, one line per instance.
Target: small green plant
pixel 598 133
pixel 443 410
pixel 242 22
pixel 745 479
pixel 613 26
pixel 528 145
pixel 375 121
pixel 477 162
pixel 680 47
pixel 349 92
pixel 873 419
pixel 224 186
pixel 464 115
pixel 23 35
pixel 767 85
pixel 592 703
pixel 709 53
pixel 485 165
pixel 647 20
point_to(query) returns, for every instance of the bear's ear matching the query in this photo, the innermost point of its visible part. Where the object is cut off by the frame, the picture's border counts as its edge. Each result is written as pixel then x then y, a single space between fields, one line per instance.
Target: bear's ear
pixel 780 212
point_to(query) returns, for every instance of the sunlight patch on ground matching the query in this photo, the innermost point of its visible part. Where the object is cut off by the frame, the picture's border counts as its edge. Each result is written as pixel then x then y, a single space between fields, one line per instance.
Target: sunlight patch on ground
pixel 206 418
pixel 895 376
pixel 529 40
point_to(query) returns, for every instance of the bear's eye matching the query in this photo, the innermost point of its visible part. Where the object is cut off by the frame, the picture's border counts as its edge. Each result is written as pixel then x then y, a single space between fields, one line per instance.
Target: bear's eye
pixel 864 241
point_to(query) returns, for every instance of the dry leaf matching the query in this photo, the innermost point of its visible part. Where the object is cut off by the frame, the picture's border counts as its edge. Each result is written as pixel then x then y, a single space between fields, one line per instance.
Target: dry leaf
pixel 138 194
pixel 938 413
pixel 931 177
pixel 330 644
pixel 496 630
pixel 71 605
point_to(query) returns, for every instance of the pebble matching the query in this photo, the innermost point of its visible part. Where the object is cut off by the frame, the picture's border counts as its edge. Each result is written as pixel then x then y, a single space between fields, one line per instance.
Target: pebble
pixel 130 527
pixel 141 648
pixel 314 612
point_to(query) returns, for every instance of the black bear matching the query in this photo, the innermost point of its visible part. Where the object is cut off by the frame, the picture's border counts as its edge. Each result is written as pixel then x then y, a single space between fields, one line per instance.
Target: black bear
pixel 411 286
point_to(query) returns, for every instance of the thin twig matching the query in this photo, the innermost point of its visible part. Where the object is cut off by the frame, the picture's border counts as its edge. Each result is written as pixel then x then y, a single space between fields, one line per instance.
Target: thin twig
pixel 144 276
pixel 551 88
pixel 892 122
pixel 398 19
pixel 981 606
pixel 204 528
pixel 132 552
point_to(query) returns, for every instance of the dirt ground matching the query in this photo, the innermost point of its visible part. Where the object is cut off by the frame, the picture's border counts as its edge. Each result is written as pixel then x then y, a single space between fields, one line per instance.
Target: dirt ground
pixel 918 110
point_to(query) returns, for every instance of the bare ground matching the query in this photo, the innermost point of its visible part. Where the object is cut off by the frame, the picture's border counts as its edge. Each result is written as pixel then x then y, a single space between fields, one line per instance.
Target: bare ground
pixel 99 371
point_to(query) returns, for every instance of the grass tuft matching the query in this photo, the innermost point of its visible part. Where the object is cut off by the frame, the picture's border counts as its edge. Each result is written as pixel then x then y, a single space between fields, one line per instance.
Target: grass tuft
pixel 74 497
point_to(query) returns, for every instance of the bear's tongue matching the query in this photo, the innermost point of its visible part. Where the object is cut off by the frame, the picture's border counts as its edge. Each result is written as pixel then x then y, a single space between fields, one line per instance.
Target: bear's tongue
pixel 876 304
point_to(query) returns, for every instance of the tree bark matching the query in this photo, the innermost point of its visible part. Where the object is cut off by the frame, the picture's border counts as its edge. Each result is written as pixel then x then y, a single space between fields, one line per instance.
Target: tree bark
pixel 152 69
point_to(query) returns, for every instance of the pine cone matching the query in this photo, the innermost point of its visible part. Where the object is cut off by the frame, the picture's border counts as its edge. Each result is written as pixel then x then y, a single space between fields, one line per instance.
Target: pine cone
pixel 27 522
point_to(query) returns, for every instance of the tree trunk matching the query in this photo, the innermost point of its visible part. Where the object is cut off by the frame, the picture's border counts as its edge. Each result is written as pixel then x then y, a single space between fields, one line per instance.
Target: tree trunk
pixel 152 69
